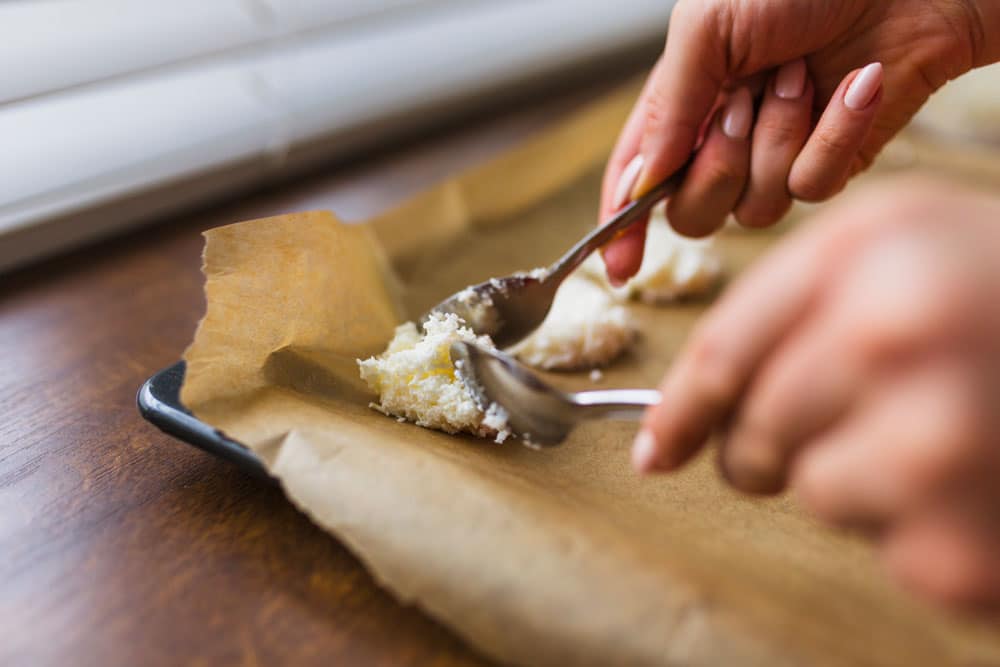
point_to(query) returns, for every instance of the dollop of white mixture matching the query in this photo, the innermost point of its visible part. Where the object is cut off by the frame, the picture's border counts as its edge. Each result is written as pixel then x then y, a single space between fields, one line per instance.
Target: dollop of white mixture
pixel 415 380
pixel 584 329
pixel 588 326
pixel 673 266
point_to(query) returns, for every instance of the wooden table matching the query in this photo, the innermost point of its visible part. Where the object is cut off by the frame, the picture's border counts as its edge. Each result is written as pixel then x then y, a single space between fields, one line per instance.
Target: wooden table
pixel 122 546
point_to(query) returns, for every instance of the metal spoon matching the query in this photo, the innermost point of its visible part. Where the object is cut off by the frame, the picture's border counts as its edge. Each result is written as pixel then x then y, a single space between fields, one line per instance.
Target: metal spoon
pixel 508 309
pixel 539 413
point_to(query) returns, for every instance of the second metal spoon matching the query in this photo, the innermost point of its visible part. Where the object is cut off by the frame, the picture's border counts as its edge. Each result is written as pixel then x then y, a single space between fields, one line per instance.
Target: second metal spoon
pixel 539 414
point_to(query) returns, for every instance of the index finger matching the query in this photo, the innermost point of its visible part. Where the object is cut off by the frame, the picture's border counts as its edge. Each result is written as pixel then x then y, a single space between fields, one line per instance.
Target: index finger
pixel 708 379
pixel 625 150
pixel 623 255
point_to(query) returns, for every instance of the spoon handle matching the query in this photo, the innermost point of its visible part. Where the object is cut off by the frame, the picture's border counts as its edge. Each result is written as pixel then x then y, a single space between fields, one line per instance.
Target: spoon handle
pixel 623 219
pixel 614 403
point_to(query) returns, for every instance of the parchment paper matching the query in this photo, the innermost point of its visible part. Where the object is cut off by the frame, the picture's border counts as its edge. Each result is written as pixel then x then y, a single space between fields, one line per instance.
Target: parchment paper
pixel 547 557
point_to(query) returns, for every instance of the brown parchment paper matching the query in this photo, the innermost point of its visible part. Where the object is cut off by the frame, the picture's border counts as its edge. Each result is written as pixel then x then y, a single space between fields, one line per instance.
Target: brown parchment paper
pixel 551 557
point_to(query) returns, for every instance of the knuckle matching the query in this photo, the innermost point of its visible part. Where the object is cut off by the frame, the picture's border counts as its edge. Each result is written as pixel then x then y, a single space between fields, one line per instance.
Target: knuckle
pixel 944 453
pixel 821 177
pixel 832 145
pixel 655 110
pixel 908 322
pixel 716 374
pixel 724 172
pixel 881 342
pixel 813 188
pixel 872 347
pixel 655 107
pixel 941 311
pixel 662 125
pixel 779 131
pixel 816 492
pixel 883 338
pixel 903 305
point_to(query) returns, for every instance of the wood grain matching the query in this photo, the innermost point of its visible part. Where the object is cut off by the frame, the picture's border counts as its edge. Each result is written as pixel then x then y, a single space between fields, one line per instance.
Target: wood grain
pixel 122 546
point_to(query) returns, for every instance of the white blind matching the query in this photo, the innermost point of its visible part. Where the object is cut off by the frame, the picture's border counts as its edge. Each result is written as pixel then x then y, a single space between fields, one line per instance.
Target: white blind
pixel 111 100
pixel 64 44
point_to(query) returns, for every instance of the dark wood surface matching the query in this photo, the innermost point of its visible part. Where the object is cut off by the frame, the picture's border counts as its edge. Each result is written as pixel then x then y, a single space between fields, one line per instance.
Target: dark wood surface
pixel 121 546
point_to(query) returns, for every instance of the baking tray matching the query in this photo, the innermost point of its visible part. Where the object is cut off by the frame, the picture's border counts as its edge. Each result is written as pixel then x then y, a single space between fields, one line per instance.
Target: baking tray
pixel 159 403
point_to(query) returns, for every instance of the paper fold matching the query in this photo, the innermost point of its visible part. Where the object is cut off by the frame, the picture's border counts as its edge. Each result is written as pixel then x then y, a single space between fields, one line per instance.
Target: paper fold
pixel 556 557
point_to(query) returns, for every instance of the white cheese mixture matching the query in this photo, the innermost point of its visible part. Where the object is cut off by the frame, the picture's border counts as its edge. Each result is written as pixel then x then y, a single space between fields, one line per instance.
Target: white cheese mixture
pixel 673 267
pixel 587 327
pixel 584 329
pixel 415 380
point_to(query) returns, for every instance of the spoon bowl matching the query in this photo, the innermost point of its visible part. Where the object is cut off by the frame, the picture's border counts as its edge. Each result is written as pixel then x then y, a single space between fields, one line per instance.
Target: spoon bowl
pixel 509 309
pixel 506 309
pixel 537 412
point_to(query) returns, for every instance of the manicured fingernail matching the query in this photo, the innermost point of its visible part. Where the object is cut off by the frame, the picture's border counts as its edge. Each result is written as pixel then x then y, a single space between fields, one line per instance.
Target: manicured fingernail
pixel 644 451
pixel 739 115
pixel 626 182
pixel 864 88
pixel 791 80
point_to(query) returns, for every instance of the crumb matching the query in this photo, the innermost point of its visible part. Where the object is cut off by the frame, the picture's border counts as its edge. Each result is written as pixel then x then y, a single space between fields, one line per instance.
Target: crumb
pixel 496 419
pixel 596 375
pixel 527 442
pixel 537 274
pixel 415 380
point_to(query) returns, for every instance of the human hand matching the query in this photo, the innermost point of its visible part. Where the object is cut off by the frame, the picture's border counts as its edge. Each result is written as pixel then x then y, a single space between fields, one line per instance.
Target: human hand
pixel 859 364
pixel 833 81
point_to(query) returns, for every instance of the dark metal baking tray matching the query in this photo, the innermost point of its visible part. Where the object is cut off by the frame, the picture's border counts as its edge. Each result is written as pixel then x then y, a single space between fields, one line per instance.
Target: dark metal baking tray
pixel 160 403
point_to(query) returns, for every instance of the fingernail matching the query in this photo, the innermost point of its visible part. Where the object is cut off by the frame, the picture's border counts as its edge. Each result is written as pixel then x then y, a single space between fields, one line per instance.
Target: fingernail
pixel 864 88
pixel 739 115
pixel 644 451
pixel 791 80
pixel 626 182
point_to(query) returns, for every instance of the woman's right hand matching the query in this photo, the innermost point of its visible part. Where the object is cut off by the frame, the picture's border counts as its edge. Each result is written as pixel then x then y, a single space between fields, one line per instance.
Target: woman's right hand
pixel 788 99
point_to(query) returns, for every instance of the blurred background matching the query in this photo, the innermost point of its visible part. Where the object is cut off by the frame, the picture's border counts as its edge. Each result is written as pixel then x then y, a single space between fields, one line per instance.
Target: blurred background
pixel 117 112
